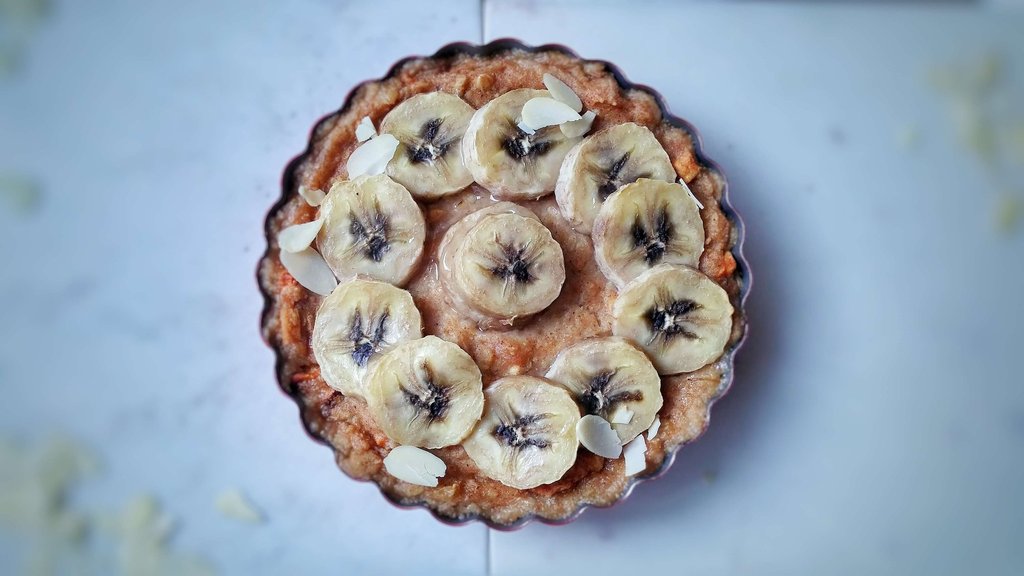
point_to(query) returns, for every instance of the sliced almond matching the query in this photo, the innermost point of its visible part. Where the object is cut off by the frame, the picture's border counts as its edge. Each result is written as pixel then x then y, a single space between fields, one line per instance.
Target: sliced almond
pixel 560 91
pixel 298 237
pixel 372 157
pixel 313 196
pixel 526 129
pixel 542 112
pixel 622 415
pixel 414 465
pixel 690 192
pixel 635 454
pixel 653 430
pixel 596 435
pixel 309 269
pixel 365 129
pixel 577 128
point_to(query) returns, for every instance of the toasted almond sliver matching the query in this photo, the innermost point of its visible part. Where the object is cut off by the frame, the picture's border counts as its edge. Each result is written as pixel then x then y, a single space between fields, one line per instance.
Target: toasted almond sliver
pixel 372 157
pixel 526 129
pixel 622 415
pixel 636 456
pixel 309 269
pixel 690 192
pixel 414 465
pixel 313 196
pixel 298 237
pixel 365 129
pixel 597 436
pixel 577 128
pixel 560 91
pixel 653 430
pixel 542 112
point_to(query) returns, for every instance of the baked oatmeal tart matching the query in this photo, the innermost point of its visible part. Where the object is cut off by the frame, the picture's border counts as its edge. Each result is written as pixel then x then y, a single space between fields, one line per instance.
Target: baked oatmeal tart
pixel 503 283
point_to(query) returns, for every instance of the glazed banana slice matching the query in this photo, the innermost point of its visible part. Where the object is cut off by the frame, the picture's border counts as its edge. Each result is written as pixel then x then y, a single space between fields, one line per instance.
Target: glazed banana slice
pixel 508 266
pixel 644 224
pixel 429 128
pixel 604 162
pixel 610 376
pixel 510 162
pixel 426 393
pixel 527 436
pixel 372 227
pixel 355 324
pixel 680 317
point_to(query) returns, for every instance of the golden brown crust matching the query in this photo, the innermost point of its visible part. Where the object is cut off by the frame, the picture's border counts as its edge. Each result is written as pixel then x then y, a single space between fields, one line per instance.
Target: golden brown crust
pixel 582 309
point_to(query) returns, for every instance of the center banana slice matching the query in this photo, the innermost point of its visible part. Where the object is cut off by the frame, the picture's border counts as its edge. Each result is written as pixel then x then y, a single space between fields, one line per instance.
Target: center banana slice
pixel 644 224
pixel 511 163
pixel 429 128
pixel 604 162
pixel 507 266
pixel 606 375
pixel 372 227
pixel 426 393
pixel 355 324
pixel 527 436
pixel 680 317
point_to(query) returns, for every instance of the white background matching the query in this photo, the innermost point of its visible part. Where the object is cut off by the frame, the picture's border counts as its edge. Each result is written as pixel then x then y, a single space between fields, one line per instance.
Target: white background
pixel 876 424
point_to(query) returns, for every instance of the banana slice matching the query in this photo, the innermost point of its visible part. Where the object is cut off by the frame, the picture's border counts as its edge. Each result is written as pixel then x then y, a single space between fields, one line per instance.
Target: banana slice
pixel 449 245
pixel 372 227
pixel 426 393
pixel 355 324
pixel 510 162
pixel 527 436
pixel 646 223
pixel 429 128
pixel 507 266
pixel 604 162
pixel 680 317
pixel 609 376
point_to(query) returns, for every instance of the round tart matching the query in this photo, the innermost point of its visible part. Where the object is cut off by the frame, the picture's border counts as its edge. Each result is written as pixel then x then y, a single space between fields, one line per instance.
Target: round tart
pixel 503 283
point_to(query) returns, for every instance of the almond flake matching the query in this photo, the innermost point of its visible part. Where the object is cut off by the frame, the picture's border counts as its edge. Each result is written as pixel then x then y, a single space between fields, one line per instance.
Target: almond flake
pixel 365 129
pixel 560 91
pixel 313 196
pixel 526 129
pixel 309 269
pixel 622 415
pixel 690 192
pixel 596 435
pixel 653 430
pixel 577 128
pixel 635 454
pixel 298 237
pixel 542 112
pixel 372 157
pixel 414 465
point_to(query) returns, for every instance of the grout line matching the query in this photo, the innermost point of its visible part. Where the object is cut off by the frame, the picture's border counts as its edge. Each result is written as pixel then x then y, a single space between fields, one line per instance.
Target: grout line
pixel 490 559
pixel 483 31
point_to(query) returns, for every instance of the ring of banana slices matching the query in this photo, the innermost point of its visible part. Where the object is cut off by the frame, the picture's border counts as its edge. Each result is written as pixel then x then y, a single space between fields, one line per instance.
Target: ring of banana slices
pixel 500 267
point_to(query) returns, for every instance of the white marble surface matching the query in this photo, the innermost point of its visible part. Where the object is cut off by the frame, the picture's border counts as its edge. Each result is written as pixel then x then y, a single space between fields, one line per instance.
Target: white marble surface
pixel 131 318
pixel 877 419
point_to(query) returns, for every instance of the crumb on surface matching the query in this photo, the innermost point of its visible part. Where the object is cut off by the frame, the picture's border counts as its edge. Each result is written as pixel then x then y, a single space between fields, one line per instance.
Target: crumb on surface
pixel 21 193
pixel 37 484
pixel 1008 213
pixel 908 136
pixel 234 504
